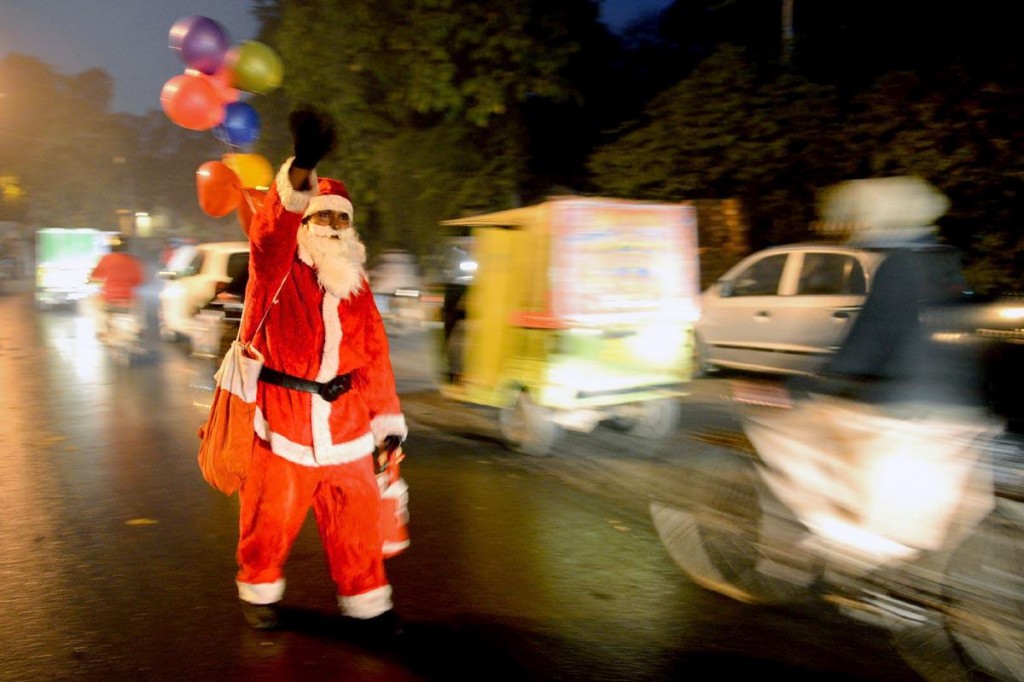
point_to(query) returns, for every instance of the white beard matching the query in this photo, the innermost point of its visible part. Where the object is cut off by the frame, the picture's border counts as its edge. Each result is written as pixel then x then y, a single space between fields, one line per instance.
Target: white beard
pixel 337 256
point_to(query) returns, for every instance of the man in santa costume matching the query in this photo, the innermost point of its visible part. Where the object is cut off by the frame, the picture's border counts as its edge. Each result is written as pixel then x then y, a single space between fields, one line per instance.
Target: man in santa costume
pixel 326 394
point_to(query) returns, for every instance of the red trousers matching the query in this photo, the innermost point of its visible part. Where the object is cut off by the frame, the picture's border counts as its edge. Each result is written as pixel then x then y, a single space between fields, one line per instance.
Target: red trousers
pixel 275 499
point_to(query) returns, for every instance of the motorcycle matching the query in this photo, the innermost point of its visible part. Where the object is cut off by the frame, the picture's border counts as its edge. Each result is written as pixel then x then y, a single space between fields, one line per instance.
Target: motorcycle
pixel 123 335
pixel 909 522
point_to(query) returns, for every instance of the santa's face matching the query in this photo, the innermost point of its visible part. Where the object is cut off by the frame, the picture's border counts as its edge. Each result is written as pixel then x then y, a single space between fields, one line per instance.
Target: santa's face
pixel 336 253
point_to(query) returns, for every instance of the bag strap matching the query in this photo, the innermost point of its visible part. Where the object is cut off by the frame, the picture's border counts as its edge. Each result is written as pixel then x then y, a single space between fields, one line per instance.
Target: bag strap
pixel 273 301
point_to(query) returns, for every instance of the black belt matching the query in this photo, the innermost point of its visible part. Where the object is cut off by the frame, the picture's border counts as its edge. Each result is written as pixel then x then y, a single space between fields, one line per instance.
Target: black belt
pixel 329 391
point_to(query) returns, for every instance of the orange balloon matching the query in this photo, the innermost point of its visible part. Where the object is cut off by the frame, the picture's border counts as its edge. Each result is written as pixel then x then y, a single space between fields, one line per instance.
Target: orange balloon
pixel 192 102
pixel 251 201
pixel 218 188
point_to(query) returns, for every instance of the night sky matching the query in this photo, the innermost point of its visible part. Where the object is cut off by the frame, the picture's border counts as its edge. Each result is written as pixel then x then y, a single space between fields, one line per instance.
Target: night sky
pixel 128 38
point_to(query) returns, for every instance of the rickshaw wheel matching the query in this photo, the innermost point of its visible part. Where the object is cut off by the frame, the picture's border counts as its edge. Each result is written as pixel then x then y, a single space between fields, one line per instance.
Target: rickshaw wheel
pixel 651 419
pixel 659 420
pixel 528 427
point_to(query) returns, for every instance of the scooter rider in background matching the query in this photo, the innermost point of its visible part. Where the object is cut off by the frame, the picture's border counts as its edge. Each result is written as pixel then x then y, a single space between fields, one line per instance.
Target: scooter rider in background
pixel 875 485
pixel 119 274
pixel 882 444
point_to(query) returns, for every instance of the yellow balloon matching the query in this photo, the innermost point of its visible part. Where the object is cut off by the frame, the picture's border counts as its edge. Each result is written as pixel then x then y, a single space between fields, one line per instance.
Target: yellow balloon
pixel 253 170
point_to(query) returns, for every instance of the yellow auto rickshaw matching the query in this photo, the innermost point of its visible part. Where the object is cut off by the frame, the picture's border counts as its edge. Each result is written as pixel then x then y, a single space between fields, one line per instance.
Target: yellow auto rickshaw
pixel 571 312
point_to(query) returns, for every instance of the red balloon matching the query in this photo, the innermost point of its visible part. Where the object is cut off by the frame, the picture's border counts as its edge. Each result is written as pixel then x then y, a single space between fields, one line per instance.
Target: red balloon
pixel 220 82
pixel 192 102
pixel 219 189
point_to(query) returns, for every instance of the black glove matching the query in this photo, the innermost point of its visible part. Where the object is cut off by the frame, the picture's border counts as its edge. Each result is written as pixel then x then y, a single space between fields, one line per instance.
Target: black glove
pixel 313 134
pixel 392 443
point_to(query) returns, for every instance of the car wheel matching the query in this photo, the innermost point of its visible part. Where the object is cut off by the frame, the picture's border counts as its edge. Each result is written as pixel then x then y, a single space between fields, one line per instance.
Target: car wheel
pixel 701 366
pixel 528 427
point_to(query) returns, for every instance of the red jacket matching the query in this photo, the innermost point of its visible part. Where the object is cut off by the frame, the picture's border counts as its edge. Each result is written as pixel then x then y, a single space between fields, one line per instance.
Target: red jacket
pixel 312 334
pixel 120 273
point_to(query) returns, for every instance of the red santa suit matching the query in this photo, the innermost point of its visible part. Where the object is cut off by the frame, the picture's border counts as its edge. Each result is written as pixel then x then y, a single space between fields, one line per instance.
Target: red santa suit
pixel 312 452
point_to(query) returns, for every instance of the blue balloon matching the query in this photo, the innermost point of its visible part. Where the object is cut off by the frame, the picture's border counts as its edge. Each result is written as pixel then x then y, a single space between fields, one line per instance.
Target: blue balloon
pixel 241 124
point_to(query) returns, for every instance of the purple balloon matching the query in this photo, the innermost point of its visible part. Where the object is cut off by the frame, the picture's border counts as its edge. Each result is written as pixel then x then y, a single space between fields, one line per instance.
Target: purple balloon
pixel 200 42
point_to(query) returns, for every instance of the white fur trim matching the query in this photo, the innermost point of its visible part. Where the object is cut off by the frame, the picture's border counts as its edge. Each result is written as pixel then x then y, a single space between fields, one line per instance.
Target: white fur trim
pixel 392 548
pixel 335 453
pixel 332 338
pixel 292 199
pixel 366 605
pixel 320 415
pixel 261 593
pixel 321 409
pixel 388 425
pixel 330 202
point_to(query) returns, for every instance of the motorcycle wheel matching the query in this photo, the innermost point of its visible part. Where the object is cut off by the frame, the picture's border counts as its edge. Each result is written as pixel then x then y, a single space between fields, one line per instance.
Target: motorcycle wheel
pixel 917 624
pixel 716 540
pixel 985 590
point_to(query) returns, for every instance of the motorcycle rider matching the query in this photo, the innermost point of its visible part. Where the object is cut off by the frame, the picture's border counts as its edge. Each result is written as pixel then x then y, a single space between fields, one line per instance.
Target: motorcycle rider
pixel 875 487
pixel 119 274
pixel 881 446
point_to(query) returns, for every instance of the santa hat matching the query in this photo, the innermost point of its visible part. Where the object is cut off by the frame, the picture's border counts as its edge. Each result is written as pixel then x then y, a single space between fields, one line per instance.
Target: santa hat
pixel 331 196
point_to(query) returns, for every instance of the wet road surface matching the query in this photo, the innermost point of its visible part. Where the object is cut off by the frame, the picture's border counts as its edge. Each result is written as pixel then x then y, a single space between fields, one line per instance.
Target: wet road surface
pixel 117 559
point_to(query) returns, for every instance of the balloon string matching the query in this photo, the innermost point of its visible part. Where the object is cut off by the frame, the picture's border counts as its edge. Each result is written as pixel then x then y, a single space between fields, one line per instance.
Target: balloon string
pixel 248 200
pixel 232 149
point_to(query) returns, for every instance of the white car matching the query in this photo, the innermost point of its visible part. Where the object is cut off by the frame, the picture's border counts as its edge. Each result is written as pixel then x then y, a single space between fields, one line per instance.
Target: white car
pixel 195 274
pixel 397 287
pixel 788 308
pixel 785 309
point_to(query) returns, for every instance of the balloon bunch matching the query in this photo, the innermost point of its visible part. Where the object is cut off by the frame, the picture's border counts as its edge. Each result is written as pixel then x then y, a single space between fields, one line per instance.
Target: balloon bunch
pixel 207 96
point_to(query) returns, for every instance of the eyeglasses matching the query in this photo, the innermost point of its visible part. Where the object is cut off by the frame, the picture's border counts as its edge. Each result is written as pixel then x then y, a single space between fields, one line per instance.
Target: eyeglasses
pixel 332 218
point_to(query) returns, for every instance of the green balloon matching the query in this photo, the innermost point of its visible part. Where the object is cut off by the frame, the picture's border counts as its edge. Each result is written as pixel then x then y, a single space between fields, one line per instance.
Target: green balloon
pixel 254 67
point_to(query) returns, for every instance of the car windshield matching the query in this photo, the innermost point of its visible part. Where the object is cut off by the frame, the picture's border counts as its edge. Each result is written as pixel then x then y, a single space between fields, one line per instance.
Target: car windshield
pixel 237 264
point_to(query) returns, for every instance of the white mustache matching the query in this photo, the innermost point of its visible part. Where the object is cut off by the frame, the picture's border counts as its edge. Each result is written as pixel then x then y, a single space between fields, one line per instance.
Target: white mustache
pixel 325 230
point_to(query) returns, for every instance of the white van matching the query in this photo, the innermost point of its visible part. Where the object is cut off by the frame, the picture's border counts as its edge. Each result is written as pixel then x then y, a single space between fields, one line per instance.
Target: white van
pixel 194 275
pixel 396 285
